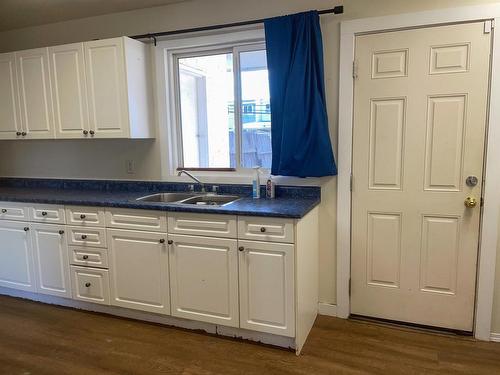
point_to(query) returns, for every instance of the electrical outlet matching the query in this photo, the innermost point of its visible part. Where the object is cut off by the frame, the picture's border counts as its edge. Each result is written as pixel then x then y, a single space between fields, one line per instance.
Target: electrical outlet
pixel 130 166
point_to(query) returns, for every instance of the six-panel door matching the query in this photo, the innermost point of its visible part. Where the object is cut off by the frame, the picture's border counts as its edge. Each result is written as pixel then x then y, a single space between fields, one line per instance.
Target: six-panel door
pixel 67 68
pixel 138 264
pixel 10 122
pixel 266 274
pixel 16 257
pixel 204 279
pixel 34 93
pixel 50 249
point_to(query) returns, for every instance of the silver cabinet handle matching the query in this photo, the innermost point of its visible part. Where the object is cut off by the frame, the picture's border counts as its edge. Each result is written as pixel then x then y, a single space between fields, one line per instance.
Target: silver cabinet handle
pixel 44 213
pixel 170 242
pixel 88 285
pixel 162 240
pixel 4 211
pixel 82 216
pixel 26 229
pixel 61 232
pixel 262 229
pixel 84 236
pixel 241 248
pixel 85 257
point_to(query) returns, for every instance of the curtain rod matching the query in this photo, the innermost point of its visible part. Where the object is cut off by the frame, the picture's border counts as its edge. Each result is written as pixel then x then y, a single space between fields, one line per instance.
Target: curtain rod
pixel 336 10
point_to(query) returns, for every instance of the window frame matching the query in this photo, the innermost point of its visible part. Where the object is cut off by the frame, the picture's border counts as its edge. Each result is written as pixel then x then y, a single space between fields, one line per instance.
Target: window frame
pixel 167 99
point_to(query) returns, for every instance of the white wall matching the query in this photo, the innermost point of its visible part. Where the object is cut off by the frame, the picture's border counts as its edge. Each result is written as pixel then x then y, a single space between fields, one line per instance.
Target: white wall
pixel 106 159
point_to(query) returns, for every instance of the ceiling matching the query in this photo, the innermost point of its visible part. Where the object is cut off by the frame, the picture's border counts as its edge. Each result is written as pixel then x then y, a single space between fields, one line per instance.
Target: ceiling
pixel 15 14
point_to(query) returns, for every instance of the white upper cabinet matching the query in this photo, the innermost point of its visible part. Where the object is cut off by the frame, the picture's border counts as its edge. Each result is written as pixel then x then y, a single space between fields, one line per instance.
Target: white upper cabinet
pixel 119 88
pixel 10 122
pixel 34 93
pixel 67 73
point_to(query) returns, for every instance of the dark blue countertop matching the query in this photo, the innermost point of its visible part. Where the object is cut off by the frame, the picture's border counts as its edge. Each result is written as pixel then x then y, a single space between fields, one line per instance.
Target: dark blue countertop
pixel 291 202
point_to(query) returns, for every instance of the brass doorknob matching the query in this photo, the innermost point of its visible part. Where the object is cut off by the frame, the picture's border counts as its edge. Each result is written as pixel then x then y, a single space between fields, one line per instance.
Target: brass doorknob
pixel 470 202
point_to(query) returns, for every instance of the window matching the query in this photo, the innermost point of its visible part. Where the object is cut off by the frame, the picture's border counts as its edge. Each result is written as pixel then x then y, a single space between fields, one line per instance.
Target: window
pixel 224 113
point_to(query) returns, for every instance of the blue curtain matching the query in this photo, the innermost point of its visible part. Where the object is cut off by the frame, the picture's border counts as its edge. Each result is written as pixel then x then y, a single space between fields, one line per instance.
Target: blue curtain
pixel 299 124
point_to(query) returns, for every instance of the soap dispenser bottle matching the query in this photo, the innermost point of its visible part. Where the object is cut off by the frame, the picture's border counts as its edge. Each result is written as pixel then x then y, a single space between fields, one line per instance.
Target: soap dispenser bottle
pixel 256 183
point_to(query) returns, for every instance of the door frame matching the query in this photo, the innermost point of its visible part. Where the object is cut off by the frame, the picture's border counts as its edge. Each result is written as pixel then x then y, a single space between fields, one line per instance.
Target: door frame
pixel 490 221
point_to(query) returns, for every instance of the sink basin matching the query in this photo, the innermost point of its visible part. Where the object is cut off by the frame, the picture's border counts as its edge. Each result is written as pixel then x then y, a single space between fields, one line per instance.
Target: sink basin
pixel 167 197
pixel 210 200
pixel 198 199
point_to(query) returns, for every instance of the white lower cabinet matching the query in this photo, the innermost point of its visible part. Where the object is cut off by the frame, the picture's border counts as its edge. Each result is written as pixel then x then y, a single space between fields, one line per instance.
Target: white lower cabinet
pixel 138 263
pixel 50 250
pixel 266 274
pixel 16 256
pixel 90 284
pixel 204 279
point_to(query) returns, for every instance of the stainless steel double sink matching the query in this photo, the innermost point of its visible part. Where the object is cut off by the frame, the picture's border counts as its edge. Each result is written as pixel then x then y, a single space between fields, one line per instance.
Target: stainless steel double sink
pixel 199 199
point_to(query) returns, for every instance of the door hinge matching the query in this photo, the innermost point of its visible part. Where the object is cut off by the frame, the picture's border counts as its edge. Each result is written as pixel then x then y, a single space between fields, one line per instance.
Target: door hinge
pixel 355 69
pixel 350 283
pixel 488 25
pixel 350 183
pixel 481 202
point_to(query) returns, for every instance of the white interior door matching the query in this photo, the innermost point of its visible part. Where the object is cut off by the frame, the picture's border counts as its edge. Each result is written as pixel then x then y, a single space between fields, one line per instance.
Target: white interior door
pixel 34 93
pixel 10 122
pixel 419 128
pixel 67 73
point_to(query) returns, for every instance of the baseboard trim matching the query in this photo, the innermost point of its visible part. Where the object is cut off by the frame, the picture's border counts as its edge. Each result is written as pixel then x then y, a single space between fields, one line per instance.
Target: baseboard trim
pixel 495 337
pixel 168 320
pixel 327 309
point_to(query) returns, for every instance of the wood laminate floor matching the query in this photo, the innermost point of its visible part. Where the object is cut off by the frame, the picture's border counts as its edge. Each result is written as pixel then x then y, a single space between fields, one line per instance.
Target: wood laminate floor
pixel 43 339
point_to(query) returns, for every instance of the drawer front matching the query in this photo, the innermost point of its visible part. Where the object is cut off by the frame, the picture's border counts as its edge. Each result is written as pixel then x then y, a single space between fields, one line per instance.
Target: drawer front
pixel 202 224
pixel 47 214
pixel 83 236
pixel 85 216
pixel 153 221
pixel 266 229
pixel 13 211
pixel 88 256
pixel 90 285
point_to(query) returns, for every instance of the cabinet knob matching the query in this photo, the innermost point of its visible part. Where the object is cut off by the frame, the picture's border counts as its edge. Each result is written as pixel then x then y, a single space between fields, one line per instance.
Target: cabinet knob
pixel 88 285
pixel 162 240
pixel 61 232
pixel 4 211
pixel 170 242
pixel 26 229
pixel 18 133
pixel 84 236
pixel 44 213
pixel 85 132
pixel 262 229
pixel 92 132
pixel 24 134
pixel 85 257
pixel 241 248
pixel 82 216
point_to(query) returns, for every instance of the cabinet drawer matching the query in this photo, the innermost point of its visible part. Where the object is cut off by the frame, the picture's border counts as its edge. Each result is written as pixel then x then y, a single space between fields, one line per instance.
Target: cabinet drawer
pixel 13 211
pixel 155 221
pixel 202 224
pixel 82 236
pixel 90 284
pixel 88 256
pixel 266 229
pixel 47 214
pixel 85 216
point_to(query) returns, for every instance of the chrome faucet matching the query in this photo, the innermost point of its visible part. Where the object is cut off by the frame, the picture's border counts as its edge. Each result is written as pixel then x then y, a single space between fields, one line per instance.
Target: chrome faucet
pixel 193 178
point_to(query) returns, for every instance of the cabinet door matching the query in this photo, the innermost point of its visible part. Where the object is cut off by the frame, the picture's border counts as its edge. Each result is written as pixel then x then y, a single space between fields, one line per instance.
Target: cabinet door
pixel 50 250
pixel 67 74
pixel 138 265
pixel 267 300
pixel 34 93
pixel 107 88
pixel 10 122
pixel 16 254
pixel 204 279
